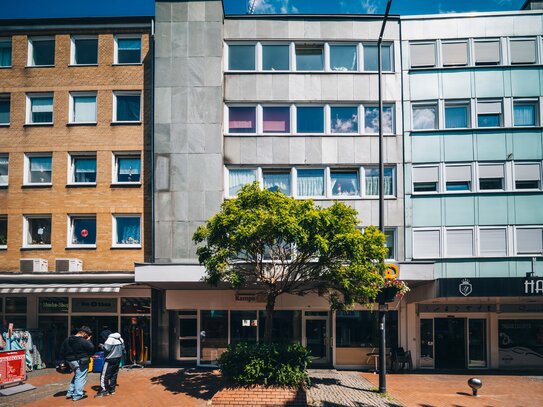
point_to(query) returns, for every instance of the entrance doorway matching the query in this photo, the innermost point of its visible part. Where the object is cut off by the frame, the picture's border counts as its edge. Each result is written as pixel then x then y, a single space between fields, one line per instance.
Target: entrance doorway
pixel 188 335
pixel 317 334
pixel 450 339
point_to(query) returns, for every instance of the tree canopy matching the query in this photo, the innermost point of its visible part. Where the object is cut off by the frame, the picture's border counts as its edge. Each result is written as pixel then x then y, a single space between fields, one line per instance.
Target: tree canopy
pixel 277 245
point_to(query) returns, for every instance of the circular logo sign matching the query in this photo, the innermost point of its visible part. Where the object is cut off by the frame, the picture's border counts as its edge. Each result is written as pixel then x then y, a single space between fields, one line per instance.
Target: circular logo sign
pixel 84 233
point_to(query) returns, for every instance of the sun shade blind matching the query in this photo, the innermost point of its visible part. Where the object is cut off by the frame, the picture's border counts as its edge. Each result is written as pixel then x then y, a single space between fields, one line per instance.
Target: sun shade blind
pixel 426 243
pixel 491 171
pixel 459 173
pixel 530 240
pixel 455 53
pixel 489 107
pixel 493 242
pixel 487 52
pixel 460 242
pixel 423 55
pixel 527 172
pixel 425 174
pixel 523 51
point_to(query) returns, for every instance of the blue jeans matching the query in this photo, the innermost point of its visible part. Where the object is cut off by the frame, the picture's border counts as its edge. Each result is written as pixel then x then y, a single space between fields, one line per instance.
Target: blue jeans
pixel 81 370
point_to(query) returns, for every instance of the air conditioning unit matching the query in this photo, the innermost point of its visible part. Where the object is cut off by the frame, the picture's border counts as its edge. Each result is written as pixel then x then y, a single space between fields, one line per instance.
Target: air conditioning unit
pixel 69 265
pixel 34 266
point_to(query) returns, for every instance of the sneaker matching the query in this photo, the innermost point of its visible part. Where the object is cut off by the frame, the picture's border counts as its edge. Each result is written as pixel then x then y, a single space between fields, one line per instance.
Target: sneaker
pixel 102 393
pixel 112 391
pixel 68 397
pixel 80 398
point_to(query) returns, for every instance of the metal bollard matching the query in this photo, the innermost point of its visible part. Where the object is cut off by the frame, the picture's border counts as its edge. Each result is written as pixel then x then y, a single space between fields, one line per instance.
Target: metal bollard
pixel 475 385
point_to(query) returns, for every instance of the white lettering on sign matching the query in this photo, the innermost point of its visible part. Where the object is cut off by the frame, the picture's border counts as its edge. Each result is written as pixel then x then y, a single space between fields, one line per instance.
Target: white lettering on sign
pixel 533 286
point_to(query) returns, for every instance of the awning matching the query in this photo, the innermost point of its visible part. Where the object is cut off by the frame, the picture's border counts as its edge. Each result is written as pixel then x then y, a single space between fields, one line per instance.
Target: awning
pixel 60 288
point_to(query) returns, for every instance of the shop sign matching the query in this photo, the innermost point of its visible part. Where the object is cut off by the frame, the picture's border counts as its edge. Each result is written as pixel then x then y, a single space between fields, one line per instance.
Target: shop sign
pixel 250 297
pixel 12 366
pixel 94 305
pixel 456 308
pixel 392 271
pixel 54 305
pixel 489 287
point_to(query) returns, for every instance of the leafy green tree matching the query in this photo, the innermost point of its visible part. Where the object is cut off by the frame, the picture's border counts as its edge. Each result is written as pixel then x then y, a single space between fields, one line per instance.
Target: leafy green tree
pixel 279 245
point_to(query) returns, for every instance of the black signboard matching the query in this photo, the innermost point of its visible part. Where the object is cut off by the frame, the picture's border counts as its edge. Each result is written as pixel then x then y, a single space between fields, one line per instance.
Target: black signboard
pixel 93 305
pixel 490 287
pixel 53 305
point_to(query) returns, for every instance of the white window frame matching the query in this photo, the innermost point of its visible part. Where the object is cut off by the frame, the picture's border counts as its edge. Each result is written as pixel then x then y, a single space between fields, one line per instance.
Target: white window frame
pixel 327 62
pixel 43 95
pixel 438 181
pixel 37 38
pixel 538 163
pixel 258 119
pixel 457 103
pixel 6 156
pixel 362 118
pixel 258 56
pixel 114 229
pixel 4 217
pixel 441 242
pixel 71 167
pixel 116 48
pixel 126 93
pixel 478 233
pixel 362 59
pixel 26 231
pixel 526 101
pixel 311 44
pixel 6 96
pixel 411 66
pixel 72 106
pixel 516 240
pixel 445 252
pixel 395 248
pixel 471 181
pixel 329 119
pixel 328 175
pixel 260 176
pixel 71 221
pixel 326 118
pixel 423 104
pixel 363 181
pixel 500 51
pixel 502 116
pixel 478 177
pixel 73 39
pixel 9 39
pixel 26 177
pixel 115 166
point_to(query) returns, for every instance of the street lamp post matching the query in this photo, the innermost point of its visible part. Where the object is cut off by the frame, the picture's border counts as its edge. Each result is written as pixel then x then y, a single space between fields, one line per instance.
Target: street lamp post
pixel 382 306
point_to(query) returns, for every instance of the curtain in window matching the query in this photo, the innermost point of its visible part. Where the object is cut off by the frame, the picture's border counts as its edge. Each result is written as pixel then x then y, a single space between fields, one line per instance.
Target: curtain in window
pixel 40 164
pixel 5 52
pixel 345 183
pixel 276 119
pixel 4 111
pixel 372 181
pixel 129 169
pixel 238 178
pixel 129 50
pixel 84 108
pixel 128 230
pixel 42 110
pixel 277 182
pixel 3 169
pixel 310 182
pixel 85 170
pixel 242 119
pixel 128 108
pixel 524 115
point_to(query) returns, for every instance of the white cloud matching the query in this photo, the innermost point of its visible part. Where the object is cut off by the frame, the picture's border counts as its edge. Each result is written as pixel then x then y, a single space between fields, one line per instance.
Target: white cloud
pixel 273 7
pixel 369 6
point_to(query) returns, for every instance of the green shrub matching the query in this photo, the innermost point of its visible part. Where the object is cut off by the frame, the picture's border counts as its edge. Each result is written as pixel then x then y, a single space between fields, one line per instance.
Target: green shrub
pixel 267 364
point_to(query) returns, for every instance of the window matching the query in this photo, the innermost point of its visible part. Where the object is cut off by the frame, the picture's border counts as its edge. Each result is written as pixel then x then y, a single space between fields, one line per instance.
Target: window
pixel 455 53
pixel 525 113
pixel 372 181
pixel 390 243
pixel 238 178
pixel 4 161
pixel 274 57
pixel 523 51
pixel 491 177
pixel 39 169
pixel 5 52
pixel 40 108
pixel 426 179
pixel 489 114
pixel 84 50
pixel 82 231
pixel 458 178
pixel 310 57
pixel 286 328
pixel 423 55
pixel 360 329
pixel 345 183
pixel 276 119
pixel 242 119
pixel 3 231
pixel 241 57
pixel 527 176
pixel 426 244
pixel 459 242
pixel 310 119
pixel 127 169
pixel 425 117
pixel 127 106
pixel 37 231
pixel 4 109
pixel 126 230
pixel 343 58
pixel 310 183
pixel 277 181
pixel 487 52
pixel 344 119
pixel 41 51
pixel 456 115
pixel 530 240
pixel 371 119
pixel 493 242
pixel 370 58
pixel 128 50
pixel 83 169
pixel 83 107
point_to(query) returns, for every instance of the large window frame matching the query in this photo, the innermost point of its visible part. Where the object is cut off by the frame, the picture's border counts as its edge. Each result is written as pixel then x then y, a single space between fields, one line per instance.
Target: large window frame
pixel 5 99
pixel 73 106
pixel 534 103
pixel 115 238
pixel 72 219
pixel 419 106
pixel 72 167
pixel 118 37
pixel 73 49
pixel 27 179
pixel 121 93
pixel 32 42
pixel 30 97
pixel 6 44
pixel 27 232
pixel 131 155
pixel 527 177
pixel 516 59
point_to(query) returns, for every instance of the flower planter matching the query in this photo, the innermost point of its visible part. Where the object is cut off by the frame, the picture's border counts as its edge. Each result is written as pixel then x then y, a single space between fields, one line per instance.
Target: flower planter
pixel 387 294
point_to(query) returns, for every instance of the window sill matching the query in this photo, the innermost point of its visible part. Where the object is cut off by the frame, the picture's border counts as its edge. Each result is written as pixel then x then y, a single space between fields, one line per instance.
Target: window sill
pixel 81 65
pixel 3 247
pixel 335 135
pixel 138 123
pixel 44 185
pixel 82 185
pixel 4 186
pixel 4 124
pixel 38 124
pixel 126 185
pixel 43 247
pixel 6 66
pixel 127 64
pixel 70 124
pixel 291 72
pixel 39 66
pixel 127 247
pixel 89 247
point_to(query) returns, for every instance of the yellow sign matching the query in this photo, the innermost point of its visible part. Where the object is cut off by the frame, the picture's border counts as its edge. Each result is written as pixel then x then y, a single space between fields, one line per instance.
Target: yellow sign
pixel 392 272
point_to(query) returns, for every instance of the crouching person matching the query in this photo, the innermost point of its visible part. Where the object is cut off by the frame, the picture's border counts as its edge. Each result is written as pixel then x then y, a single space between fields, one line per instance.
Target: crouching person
pixel 114 348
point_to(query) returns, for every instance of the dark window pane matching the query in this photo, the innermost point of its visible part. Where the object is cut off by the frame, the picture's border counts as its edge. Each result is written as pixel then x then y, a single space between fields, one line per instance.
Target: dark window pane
pixel 286 328
pixel 488 120
pixel 4 110
pixel 84 231
pixel 53 305
pixel 458 186
pixel 456 117
pixel 275 58
pixel 135 305
pixel 242 119
pixel 128 169
pixel 128 230
pixel 310 119
pixel 370 58
pixel 490 183
pixel 85 170
pixel 39 230
pixel 241 57
pixel 276 119
pixel 43 52
pixel 5 52
pixel 86 51
pixel 425 186
pixel 310 58
pixel 361 329
pixel 533 184
pixel 213 335
pixel 15 305
pixel 55 330
pixel 3 235
pixel 243 326
pixel 344 119
pixel 128 50
pixel 128 108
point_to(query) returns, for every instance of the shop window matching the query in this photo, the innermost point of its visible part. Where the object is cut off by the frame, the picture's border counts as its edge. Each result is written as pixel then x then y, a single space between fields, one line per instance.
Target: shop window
pixel 5 105
pixel 243 326
pixel 344 119
pixel 530 241
pixel 83 169
pixel 128 49
pixel 83 107
pixel 457 115
pixel 371 119
pixel 487 52
pixel 310 119
pixel 53 305
pixel 370 57
pixel 458 178
pixel 275 57
pixel 135 305
pixel 136 332
pixel 360 329
pixel 426 179
pixel 423 55
pixel 459 242
pixel 309 57
pixel 493 242
pixel 426 244
pixel 238 178
pixel 98 324
pixel 82 231
pixel 286 328
pixel 390 243
pixel 39 108
pixel 371 178
pixel 242 119
pixel 37 231
pixel 455 53
pixel 241 57
pixel 425 117
pixel 127 230
pixel 4 169
pixel 527 176
pixel 516 334
pixel 127 168
pixel 276 119
pixel 55 330
pixel 491 177
pixel 84 50
pixel 5 52
pixel 525 113
pixel 15 305
pixel 310 183
pixel 523 51
pixel 213 335
pixel 127 106
pixel 345 183
pixel 41 51
pixel 3 232
pixel 277 181
pixel 343 58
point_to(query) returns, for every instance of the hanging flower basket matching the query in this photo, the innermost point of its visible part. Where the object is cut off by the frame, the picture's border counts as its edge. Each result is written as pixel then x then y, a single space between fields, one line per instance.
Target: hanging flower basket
pixel 387 294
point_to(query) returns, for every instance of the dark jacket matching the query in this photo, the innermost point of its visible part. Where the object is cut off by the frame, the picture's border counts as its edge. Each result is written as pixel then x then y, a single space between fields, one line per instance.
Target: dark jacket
pixel 76 348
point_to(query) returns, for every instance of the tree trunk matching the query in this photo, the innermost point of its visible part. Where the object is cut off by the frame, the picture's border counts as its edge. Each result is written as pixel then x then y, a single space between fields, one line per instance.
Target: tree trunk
pixel 270 305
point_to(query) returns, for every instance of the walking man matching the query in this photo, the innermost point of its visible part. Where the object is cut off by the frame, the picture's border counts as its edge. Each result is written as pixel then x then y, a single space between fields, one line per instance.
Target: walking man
pixel 77 350
pixel 114 347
